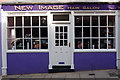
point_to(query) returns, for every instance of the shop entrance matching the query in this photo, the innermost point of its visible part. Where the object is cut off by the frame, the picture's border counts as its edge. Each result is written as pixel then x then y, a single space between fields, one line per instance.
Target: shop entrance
pixel 61 45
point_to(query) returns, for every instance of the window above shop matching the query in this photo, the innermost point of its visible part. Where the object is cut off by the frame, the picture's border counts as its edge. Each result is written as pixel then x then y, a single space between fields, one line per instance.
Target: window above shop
pixel 27 32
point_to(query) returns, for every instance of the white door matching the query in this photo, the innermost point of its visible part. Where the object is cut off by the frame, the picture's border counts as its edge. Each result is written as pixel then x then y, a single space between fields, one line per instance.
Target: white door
pixel 61 54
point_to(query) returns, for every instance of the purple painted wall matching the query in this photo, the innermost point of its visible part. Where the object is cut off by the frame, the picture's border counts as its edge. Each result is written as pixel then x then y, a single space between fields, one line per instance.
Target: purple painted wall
pixel 25 63
pixel 0 45
pixel 90 61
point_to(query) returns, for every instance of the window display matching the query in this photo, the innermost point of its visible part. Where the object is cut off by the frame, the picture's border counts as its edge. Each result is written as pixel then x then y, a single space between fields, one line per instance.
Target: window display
pixel 26 34
pixel 96 32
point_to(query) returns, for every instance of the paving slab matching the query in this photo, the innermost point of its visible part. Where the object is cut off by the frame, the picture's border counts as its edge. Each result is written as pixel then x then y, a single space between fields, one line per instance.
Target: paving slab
pixel 58 75
pixel 85 74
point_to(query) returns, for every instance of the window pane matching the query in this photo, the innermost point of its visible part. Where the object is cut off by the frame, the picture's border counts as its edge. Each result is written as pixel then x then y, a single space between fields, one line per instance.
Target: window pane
pixel 18 32
pixel 35 44
pixel 103 21
pixel 44 32
pixel 78 44
pixel 94 20
pixel 78 20
pixel 61 28
pixel 65 43
pixel 35 32
pixel 65 36
pixel 111 20
pixel 94 43
pixel 10 21
pixel 44 44
pixel 43 20
pixel 111 44
pixel 60 17
pixel 19 21
pixel 11 44
pixel 57 36
pixel 65 29
pixel 27 32
pixel 78 32
pixel 61 42
pixel 27 43
pixel 86 21
pixel 57 43
pixel 103 32
pixel 11 33
pixel 61 35
pixel 103 43
pixel 86 43
pixel 56 29
pixel 27 21
pixel 19 44
pixel 94 31
pixel 86 32
pixel 35 21
pixel 111 32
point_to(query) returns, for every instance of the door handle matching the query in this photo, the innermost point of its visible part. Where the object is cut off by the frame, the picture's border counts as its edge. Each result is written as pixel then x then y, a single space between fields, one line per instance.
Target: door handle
pixel 69 44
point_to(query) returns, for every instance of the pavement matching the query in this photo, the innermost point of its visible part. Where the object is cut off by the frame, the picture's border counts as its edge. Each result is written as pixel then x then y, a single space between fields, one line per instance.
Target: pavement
pixel 110 74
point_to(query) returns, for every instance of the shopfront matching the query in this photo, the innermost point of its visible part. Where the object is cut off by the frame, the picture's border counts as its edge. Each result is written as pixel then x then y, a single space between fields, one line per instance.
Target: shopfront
pixel 41 38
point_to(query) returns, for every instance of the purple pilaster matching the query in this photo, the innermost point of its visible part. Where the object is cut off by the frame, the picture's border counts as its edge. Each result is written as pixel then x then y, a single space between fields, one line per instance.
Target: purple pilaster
pixel 27 63
pixel 94 61
pixel 0 45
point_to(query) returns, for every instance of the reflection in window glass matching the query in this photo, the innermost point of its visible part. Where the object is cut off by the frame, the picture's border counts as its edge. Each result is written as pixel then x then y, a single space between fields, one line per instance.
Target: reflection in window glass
pixel 86 20
pixel 78 20
pixel 11 44
pixel 27 32
pixel 35 32
pixel 111 44
pixel 86 31
pixel 44 44
pixel 94 20
pixel 11 33
pixel 103 20
pixel 27 21
pixel 10 21
pixel 57 43
pixel 78 44
pixel 103 32
pixel 103 43
pixel 111 20
pixel 94 43
pixel 86 43
pixel 78 32
pixel 44 32
pixel 43 20
pixel 35 44
pixel 111 32
pixel 19 43
pixel 60 17
pixel 27 43
pixel 18 32
pixel 19 21
pixel 94 31
pixel 35 21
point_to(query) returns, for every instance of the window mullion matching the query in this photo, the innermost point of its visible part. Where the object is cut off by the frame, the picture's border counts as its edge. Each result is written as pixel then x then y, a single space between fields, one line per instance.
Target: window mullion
pixel 39 34
pixel 98 32
pixel 23 30
pixel 15 32
pixel 107 32
pixel 31 30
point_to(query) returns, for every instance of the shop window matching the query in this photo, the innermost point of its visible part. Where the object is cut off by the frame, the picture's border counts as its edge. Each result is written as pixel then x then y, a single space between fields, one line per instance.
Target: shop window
pixel 43 20
pixel 60 17
pixel 11 21
pixel 86 21
pixel 78 32
pixel 78 20
pixel 94 31
pixel 27 35
pixel 35 21
pixel 103 20
pixel 27 21
pixel 86 32
pixel 99 33
pixel 94 20
pixel 19 21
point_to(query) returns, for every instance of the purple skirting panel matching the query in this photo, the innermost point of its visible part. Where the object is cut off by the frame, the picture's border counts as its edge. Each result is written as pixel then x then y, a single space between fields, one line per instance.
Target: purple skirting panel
pixel 0 45
pixel 27 63
pixel 94 61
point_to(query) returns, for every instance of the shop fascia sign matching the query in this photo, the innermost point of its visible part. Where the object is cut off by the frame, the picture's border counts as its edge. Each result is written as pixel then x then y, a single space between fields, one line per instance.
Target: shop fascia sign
pixel 61 7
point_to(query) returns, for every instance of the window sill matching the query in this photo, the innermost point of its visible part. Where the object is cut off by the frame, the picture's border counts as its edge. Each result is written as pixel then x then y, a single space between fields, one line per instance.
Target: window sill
pixel 27 51
pixel 96 50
